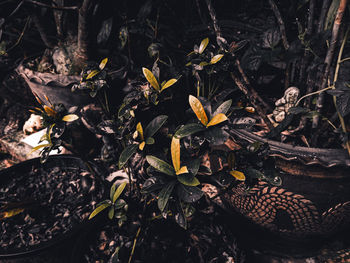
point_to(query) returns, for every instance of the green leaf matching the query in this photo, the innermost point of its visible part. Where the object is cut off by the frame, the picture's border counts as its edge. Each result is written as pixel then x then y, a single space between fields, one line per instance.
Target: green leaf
pixel 102 206
pixel 179 215
pixel 118 192
pixel 193 166
pixel 164 195
pixel 151 78
pixel 203 45
pixel 223 108
pixel 153 184
pixel 216 59
pixel 120 203
pixel 150 140
pixel 168 84
pixel 216 136
pixel 155 125
pixel 111 213
pixel 188 179
pixel 112 191
pixel 189 129
pixel 160 165
pixel 189 194
pixel 126 154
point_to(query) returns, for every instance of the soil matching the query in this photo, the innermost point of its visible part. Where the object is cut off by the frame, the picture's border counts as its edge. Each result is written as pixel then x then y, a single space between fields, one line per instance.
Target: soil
pixel 207 239
pixel 54 201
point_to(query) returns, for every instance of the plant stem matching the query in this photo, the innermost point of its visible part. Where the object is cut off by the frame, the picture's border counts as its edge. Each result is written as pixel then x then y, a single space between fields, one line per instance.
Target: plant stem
pixel 134 244
pixel 313 93
pixel 280 23
pixel 336 73
pixel 328 59
pixel 321 20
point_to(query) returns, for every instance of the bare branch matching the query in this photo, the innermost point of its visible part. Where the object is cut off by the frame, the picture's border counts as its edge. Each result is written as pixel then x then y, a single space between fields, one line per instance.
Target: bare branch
pixel 71 8
pixel 280 23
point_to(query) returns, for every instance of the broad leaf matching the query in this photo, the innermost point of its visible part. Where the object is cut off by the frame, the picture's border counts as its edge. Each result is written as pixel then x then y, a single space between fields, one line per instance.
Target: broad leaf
pixel 188 194
pixel 111 213
pixel 175 153
pixel 216 136
pixel 223 108
pixel 153 184
pixel 112 191
pixel 164 195
pixel 238 175
pixel 182 170
pixel 216 59
pixel 103 63
pixel 160 165
pixel 118 192
pixel 193 166
pixel 168 84
pixel 151 78
pixel 70 117
pixel 155 125
pixel 92 74
pixel 217 119
pixel 38 147
pixel 179 215
pixel 102 206
pixel 150 140
pixel 140 131
pixel 188 179
pixel 203 45
pixel 126 154
pixel 198 109
pixel 231 160
pixel 189 129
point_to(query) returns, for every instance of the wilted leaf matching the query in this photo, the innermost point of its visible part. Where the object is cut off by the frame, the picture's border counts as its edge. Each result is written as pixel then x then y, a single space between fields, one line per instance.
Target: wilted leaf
pixel 168 84
pixel 129 151
pixel 238 175
pixel 102 206
pixel 92 74
pixel 49 111
pixel 105 32
pixel 217 119
pixel 271 38
pixel 198 109
pixel 160 165
pixel 70 117
pixel 103 63
pixel 155 125
pixel 140 131
pixel 151 78
pixel 216 59
pixel 188 194
pixel 203 45
pixel 188 129
pixel 164 195
pixel 188 179
pixel 118 192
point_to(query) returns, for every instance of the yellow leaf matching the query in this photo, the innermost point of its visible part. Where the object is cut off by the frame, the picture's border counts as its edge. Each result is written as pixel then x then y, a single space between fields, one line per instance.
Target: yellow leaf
pixel 49 111
pixel 38 147
pixel 70 117
pixel 103 63
pixel 203 45
pixel 198 109
pixel 216 59
pixel 182 170
pixel 142 145
pixel 48 100
pixel 140 131
pixel 11 213
pixel 175 153
pixel 92 74
pixel 217 119
pixel 250 109
pixel 238 175
pixel 151 78
pixel 37 99
pixel 168 84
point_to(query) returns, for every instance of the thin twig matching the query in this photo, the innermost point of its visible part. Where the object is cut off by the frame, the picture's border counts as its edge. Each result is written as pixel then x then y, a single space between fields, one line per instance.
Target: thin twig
pixel 134 244
pixel 321 20
pixel 280 23
pixel 20 36
pixel 74 8
pixel 328 60
pixel 219 39
pixel 252 97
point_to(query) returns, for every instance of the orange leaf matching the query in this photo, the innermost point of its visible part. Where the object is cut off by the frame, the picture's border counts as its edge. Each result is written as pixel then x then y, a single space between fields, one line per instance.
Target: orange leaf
pixel 142 145
pixel 217 119
pixel 238 175
pixel 151 78
pixel 175 153
pixel 182 170
pixel 198 109
pixel 49 111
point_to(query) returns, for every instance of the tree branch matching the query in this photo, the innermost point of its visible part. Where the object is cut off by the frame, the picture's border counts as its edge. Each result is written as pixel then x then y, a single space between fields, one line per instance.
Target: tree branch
pixel 280 23
pixel 67 8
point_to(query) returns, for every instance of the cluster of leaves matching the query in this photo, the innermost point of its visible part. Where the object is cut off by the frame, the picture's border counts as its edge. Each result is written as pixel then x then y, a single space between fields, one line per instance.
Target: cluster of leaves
pixel 55 117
